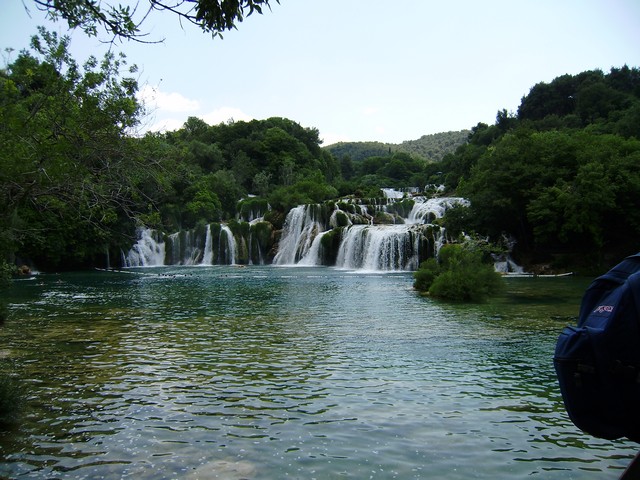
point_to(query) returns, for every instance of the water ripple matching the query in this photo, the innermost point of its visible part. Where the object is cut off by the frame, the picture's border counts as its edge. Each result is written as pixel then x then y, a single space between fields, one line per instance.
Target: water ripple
pixel 274 372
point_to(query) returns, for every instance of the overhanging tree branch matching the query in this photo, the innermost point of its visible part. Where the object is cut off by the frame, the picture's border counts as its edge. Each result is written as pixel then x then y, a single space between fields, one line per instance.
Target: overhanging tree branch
pixel 123 22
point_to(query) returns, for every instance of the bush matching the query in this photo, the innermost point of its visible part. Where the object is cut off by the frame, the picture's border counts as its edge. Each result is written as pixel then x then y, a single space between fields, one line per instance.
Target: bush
pixel 426 274
pixel 6 271
pixel 459 274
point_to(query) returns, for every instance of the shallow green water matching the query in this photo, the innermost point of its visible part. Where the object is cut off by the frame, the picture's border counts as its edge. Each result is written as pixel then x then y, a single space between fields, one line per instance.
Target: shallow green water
pixel 270 373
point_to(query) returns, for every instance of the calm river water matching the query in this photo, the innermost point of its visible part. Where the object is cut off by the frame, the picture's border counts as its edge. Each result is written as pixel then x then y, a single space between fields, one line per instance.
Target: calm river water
pixel 272 373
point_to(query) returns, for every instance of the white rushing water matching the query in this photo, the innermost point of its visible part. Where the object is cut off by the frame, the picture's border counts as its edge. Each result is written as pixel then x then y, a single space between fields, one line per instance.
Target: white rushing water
pixel 207 258
pixel 147 252
pixel 300 230
pixel 227 236
pixel 364 243
pixel 374 247
pixel 379 247
pixel 423 209
pixel 186 247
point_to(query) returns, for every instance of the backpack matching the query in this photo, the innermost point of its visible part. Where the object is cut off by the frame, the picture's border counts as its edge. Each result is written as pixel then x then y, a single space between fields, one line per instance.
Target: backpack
pixel 598 361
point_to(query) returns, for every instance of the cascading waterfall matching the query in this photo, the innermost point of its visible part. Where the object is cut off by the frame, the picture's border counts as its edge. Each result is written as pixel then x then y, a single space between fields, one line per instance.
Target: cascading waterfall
pixel 398 244
pixel 312 257
pixel 300 229
pixel 200 246
pixel 427 210
pixel 392 193
pixel 379 247
pixel 376 234
pixel 207 258
pixel 227 245
pixel 186 248
pixel 149 251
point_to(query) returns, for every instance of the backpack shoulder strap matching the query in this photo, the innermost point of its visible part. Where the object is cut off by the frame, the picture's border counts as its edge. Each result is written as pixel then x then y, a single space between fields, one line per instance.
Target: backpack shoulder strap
pixel 624 269
pixel 606 283
pixel 634 286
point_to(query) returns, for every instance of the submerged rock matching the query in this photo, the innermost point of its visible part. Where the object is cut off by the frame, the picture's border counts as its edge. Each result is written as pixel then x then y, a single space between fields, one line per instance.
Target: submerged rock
pixel 224 470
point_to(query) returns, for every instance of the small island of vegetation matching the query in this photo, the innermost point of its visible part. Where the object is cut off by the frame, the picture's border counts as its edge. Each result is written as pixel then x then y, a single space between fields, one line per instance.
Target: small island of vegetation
pixel 460 273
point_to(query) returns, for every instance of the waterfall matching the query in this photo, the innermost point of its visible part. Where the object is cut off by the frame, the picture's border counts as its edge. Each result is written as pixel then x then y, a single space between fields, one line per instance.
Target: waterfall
pixel 375 234
pixel 300 229
pixel 229 246
pixel 207 258
pixel 199 246
pixel 379 247
pixel 425 211
pixel 392 193
pixel 254 246
pixel 148 251
pixel 312 256
pixel 186 248
pixel 405 238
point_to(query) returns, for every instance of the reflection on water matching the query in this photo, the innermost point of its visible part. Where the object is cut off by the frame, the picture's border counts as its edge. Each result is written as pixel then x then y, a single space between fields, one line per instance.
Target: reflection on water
pixel 269 373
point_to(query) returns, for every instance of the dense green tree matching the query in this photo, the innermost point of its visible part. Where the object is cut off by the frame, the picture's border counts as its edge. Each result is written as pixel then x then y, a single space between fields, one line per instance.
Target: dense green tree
pixel 309 190
pixel 208 156
pixel 561 175
pixel 70 174
pixel 208 169
pixel 346 167
pixel 397 170
pixel 558 190
pixel 261 183
pixel 576 101
pixel 546 99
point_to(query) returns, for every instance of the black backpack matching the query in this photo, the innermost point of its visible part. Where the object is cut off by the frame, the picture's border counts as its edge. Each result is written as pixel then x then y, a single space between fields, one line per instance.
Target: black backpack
pixel 598 361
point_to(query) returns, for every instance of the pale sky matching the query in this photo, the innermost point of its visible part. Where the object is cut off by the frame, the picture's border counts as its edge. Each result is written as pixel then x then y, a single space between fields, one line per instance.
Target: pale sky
pixel 363 70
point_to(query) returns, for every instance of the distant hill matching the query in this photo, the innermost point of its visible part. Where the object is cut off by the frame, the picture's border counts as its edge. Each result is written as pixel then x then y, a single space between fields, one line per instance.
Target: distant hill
pixel 429 147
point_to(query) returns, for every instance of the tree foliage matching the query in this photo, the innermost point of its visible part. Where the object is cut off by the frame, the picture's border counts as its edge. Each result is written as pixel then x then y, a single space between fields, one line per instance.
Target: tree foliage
pixel 120 21
pixel 70 174
pixel 276 159
pixel 562 175
pixel 75 181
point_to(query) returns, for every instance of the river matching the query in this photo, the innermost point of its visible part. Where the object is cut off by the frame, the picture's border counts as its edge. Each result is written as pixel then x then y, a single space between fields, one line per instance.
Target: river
pixel 267 372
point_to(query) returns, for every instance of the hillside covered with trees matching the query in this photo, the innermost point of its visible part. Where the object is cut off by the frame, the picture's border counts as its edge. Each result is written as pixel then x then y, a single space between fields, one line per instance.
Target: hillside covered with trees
pixel 428 147
pixel 561 176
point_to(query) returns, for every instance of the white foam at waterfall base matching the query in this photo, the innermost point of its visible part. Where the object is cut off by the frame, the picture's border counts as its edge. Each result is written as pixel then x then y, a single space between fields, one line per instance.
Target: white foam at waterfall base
pixel 147 252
